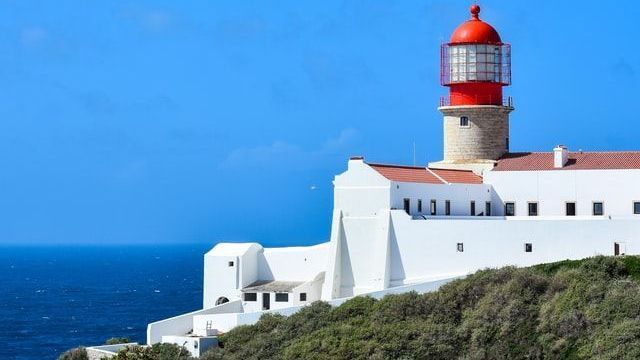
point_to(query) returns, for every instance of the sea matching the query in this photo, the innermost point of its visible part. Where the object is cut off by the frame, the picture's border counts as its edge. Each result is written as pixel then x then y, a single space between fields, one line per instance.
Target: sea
pixel 53 298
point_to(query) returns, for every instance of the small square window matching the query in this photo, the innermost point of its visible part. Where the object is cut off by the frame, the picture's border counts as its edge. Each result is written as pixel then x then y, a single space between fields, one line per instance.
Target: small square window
pixel 533 209
pixel 303 296
pixel 460 247
pixel 571 209
pixel 464 121
pixel 433 207
pixel 509 209
pixel 636 207
pixel 598 209
pixel 250 297
pixel 230 263
pixel 528 247
pixel 282 297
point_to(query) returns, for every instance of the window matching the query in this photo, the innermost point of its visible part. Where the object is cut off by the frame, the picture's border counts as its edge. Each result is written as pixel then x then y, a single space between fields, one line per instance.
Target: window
pixel 250 297
pixel 507 144
pixel 282 297
pixel 222 300
pixel 464 121
pixel 447 207
pixel 509 209
pixel 407 206
pixel 460 247
pixel 230 263
pixel 598 209
pixel 472 209
pixel 528 247
pixel 487 208
pixel 636 207
pixel 419 205
pixel 433 207
pixel 303 296
pixel 533 209
pixel 571 209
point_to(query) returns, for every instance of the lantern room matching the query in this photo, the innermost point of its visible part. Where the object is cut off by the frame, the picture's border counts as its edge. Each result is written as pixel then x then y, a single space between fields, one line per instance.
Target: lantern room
pixel 475 64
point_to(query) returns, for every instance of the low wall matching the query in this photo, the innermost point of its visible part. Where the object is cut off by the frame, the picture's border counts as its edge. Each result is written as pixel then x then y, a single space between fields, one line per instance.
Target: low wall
pixel 106 351
pixel 183 324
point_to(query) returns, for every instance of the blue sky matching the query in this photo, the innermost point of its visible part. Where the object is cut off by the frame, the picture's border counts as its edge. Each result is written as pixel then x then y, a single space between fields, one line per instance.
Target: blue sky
pixel 200 121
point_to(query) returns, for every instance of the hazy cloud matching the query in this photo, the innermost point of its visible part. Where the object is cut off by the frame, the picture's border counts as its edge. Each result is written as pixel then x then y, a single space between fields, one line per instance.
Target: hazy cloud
pixel 283 152
pixel 33 36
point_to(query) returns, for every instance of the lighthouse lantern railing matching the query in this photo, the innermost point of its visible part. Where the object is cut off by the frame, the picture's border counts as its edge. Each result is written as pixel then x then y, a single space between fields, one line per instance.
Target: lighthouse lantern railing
pixel 472 63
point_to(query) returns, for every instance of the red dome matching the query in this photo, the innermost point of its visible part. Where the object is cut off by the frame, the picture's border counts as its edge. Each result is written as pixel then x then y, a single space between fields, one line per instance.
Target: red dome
pixel 475 31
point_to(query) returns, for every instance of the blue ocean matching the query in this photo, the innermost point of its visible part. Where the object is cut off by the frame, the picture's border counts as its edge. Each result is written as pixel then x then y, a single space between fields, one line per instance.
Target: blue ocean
pixel 53 298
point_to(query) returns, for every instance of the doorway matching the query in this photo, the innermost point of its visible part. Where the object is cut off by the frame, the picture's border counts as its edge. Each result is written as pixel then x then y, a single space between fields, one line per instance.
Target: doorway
pixel 266 301
pixel 618 249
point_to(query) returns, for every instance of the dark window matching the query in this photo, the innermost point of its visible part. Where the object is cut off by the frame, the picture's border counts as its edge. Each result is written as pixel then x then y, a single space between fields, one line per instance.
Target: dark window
pixel 407 206
pixel 472 209
pixel 616 249
pixel 433 207
pixel 507 144
pixel 464 121
pixel 528 247
pixel 509 209
pixel 303 296
pixel 282 297
pixel 222 300
pixel 230 263
pixel 487 208
pixel 636 207
pixel 419 205
pixel 571 209
pixel 460 247
pixel 598 209
pixel 447 207
pixel 250 297
pixel 533 209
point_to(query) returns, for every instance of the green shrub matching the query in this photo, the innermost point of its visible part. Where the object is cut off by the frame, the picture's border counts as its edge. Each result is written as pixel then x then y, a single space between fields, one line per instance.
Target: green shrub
pixel 117 340
pixel 75 354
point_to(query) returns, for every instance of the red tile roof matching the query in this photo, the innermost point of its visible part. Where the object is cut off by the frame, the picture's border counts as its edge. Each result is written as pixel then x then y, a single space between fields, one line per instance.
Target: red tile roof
pixel 423 175
pixel 458 176
pixel 585 160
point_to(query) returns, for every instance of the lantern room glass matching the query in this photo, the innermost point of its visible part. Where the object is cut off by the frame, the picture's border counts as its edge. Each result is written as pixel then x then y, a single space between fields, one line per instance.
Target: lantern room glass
pixel 476 63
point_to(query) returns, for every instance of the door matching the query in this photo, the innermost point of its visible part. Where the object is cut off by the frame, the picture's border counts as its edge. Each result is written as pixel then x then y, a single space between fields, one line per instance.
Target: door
pixel 618 249
pixel 266 301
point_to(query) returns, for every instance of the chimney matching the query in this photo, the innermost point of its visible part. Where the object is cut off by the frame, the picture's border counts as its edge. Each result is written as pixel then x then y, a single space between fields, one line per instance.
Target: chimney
pixel 560 156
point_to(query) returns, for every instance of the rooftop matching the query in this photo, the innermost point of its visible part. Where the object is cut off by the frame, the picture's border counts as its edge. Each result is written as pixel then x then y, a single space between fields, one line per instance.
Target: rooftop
pixel 417 174
pixel 581 160
pixel 272 286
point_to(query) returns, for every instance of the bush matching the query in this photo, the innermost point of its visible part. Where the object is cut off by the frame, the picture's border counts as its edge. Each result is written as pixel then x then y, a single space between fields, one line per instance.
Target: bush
pixel 75 354
pixel 117 340
pixel 154 352
pixel 571 309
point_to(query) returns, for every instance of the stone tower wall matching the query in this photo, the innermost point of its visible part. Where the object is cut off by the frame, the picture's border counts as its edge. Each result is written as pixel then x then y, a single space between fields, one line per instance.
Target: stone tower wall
pixel 486 137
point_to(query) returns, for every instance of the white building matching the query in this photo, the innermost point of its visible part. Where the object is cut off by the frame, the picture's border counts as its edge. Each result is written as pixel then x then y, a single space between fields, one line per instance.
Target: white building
pixel 397 228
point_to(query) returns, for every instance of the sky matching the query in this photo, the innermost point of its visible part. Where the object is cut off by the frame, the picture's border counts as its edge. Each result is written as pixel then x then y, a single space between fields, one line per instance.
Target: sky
pixel 125 122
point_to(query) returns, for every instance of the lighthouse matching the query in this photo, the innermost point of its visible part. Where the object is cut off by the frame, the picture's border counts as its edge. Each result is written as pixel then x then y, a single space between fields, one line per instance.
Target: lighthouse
pixel 475 66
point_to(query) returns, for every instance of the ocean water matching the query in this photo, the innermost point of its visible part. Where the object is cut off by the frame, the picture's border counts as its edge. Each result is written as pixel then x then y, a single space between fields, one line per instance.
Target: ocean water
pixel 55 298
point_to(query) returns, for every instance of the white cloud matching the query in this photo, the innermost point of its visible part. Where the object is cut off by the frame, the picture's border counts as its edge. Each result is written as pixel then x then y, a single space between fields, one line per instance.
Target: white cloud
pixel 33 36
pixel 280 152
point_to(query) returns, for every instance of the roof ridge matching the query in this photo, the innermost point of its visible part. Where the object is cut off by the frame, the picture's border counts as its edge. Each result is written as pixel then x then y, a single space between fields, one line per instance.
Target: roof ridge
pixel 397 166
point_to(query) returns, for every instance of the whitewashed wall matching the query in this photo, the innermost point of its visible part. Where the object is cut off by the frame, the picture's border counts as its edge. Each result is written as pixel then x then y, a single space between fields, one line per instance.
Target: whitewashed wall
pixel 292 263
pixel 552 189
pixel 361 191
pixel 460 196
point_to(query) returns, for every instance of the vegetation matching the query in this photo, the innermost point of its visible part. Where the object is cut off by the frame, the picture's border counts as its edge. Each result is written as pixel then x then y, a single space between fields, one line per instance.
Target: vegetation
pixel 155 352
pixel 117 340
pixel 588 309
pixel 74 354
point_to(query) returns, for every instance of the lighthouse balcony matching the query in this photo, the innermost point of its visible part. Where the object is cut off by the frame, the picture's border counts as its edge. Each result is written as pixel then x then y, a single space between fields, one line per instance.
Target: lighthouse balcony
pixel 455 100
